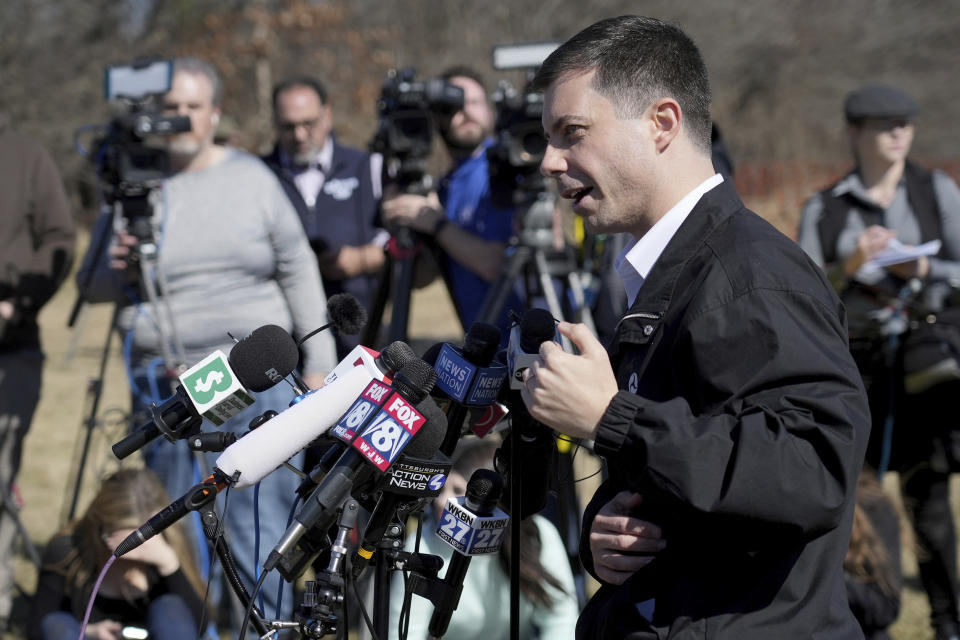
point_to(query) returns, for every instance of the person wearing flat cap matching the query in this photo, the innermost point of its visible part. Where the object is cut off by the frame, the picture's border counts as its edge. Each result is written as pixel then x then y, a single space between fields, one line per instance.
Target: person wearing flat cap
pixel 888 202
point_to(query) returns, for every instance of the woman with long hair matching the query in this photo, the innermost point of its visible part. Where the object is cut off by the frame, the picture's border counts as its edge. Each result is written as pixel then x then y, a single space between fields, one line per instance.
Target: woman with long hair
pixel 153 588
pixel 548 602
pixel 872 564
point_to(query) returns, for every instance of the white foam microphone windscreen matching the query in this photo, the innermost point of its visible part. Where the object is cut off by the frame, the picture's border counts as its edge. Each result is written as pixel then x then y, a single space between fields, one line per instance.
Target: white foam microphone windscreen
pixel 261 451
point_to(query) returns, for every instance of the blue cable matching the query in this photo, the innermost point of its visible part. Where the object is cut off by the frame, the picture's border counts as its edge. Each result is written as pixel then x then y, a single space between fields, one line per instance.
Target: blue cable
pixel 894 344
pixel 256 540
pixel 887 443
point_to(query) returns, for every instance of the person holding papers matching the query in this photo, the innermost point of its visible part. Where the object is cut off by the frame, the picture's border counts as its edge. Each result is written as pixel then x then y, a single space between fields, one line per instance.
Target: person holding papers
pixel 888 236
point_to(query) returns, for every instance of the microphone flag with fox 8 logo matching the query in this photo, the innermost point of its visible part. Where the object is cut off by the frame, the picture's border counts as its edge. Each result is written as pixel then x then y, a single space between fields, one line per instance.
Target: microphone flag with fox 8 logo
pixel 379 424
pixel 469 533
pixel 366 404
pixel 214 389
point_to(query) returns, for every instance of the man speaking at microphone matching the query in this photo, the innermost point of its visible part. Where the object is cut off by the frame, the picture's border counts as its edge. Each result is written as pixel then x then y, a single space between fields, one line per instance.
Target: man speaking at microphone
pixel 731 417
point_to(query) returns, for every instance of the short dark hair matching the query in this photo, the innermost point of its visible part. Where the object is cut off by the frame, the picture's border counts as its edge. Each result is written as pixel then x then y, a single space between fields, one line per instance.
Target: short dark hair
pixel 637 60
pixel 463 71
pixel 300 81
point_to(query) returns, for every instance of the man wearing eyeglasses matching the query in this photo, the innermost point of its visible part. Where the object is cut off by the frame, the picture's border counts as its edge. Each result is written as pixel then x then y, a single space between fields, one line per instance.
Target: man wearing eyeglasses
pixel 335 190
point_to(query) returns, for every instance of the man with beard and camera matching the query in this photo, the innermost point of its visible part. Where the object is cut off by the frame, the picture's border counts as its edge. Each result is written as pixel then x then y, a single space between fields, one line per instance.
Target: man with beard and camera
pixel 335 189
pixel 231 256
pixel 731 416
pixel 36 249
pixel 461 217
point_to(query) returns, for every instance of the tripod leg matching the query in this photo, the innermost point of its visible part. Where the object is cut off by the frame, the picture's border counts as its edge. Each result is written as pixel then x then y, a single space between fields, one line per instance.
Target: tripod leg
pixel 160 307
pixel 13 512
pixel 549 292
pixel 498 293
pixel 371 333
pixel 583 311
pixel 402 285
pixel 96 390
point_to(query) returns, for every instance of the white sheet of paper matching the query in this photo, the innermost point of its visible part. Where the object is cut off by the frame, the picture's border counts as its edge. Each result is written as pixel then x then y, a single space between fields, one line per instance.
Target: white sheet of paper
pixel 897 252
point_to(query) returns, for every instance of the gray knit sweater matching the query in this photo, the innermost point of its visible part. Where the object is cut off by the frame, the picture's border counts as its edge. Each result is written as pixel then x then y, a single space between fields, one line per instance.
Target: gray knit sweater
pixel 232 255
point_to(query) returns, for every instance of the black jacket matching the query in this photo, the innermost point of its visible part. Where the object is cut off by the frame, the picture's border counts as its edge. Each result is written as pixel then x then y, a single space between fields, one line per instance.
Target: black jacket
pixel 743 423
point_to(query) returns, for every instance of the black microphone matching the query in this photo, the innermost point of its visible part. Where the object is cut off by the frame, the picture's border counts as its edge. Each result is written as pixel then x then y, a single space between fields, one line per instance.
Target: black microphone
pixel 537 448
pixel 346 314
pixel 472 527
pixel 393 356
pixel 468 377
pixel 379 439
pixel 196 497
pixel 258 362
pixel 418 475
pixel 249 357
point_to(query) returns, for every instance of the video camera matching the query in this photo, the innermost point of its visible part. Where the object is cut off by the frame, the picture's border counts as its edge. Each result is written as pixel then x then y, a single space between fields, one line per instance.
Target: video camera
pixel 406 111
pixel 514 158
pixel 129 161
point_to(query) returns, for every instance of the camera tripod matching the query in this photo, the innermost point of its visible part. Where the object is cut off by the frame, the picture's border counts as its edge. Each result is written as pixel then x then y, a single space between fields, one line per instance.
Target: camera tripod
pixel 137 209
pixel 533 261
pixel 396 285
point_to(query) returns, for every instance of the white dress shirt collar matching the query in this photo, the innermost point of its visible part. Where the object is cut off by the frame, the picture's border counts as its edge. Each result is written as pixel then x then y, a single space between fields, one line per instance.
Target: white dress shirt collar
pixel 637 258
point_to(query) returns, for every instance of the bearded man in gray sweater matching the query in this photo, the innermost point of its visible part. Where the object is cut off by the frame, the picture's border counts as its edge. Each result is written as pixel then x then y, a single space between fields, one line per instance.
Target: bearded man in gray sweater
pixel 231 256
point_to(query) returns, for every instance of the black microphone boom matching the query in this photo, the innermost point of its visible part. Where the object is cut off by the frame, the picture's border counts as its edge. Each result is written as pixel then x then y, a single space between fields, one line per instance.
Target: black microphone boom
pixel 345 313
pixel 391 500
pixel 196 497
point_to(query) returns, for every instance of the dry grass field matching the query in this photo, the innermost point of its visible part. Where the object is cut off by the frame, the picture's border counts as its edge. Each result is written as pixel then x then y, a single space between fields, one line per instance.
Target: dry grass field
pixel 48 477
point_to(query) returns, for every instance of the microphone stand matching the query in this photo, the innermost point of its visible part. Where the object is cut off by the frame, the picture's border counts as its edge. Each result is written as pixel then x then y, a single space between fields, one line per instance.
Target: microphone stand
pixel 321 611
pixel 515 507
pixel 390 543
pixel 213 531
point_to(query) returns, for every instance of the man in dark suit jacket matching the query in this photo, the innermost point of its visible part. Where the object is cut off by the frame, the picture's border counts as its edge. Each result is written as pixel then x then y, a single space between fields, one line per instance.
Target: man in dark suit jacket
pixel 730 414
pixel 336 191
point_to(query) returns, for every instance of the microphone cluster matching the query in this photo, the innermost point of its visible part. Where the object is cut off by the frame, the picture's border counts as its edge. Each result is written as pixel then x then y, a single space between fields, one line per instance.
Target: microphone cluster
pixel 388 440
